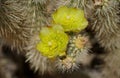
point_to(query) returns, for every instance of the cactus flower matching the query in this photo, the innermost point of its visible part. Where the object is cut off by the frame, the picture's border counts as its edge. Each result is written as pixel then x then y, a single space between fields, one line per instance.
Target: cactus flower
pixel 53 41
pixel 71 19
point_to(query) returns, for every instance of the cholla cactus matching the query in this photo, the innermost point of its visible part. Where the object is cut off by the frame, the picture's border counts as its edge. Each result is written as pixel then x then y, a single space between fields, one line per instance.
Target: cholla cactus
pixel 78 42
pixel 65 62
pixel 34 10
pixel 78 49
pixel 37 13
pixel 53 44
pixel 13 31
pixel 105 24
pixel 17 16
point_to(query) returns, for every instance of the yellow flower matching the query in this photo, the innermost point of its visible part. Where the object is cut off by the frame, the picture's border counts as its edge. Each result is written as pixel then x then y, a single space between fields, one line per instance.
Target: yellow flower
pixel 53 41
pixel 71 19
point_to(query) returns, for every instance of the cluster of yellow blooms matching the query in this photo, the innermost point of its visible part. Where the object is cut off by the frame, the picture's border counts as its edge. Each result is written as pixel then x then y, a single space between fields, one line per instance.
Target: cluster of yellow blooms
pixel 54 38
